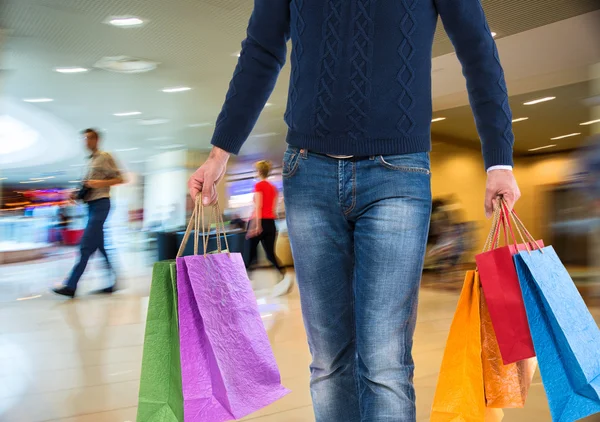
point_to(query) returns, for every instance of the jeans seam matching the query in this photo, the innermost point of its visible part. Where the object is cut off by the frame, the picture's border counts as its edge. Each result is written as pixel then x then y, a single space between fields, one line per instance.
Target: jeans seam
pixel 403 168
pixel 353 205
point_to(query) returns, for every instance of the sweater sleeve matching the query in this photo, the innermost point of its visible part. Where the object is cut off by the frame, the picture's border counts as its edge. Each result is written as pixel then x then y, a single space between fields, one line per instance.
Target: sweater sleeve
pixel 261 59
pixel 467 27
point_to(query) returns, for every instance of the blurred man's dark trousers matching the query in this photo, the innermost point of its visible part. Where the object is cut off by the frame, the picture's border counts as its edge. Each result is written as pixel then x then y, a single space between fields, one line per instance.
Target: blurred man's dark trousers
pixel 92 240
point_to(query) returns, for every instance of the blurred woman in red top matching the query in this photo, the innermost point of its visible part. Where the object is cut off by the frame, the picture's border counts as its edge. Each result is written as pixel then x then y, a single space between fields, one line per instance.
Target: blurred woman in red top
pixel 262 228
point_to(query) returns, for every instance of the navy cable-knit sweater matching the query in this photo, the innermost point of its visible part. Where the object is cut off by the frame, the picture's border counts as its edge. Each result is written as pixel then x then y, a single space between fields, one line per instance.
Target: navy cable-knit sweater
pixel 361 75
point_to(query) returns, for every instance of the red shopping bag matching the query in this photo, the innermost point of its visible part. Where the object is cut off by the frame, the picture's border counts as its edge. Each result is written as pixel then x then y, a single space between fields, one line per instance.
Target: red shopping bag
pixel 502 291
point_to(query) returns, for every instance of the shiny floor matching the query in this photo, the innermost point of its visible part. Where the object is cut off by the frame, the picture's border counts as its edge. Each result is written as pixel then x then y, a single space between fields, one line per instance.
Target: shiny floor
pixel 79 360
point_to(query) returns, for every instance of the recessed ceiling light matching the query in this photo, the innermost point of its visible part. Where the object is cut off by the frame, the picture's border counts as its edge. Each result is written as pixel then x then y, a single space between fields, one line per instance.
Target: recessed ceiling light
pixel 74 181
pixel 126 149
pixel 38 100
pixel 565 136
pixel 269 105
pixel 177 89
pixel 125 21
pixel 155 121
pixel 539 100
pixel 544 147
pixel 591 122
pixel 493 34
pixel 520 119
pixel 71 69
pixel 200 124
pixel 438 119
pixel 128 113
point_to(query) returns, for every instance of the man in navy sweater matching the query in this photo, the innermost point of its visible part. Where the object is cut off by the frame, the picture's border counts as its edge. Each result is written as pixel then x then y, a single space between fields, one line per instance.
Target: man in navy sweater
pixel 357 174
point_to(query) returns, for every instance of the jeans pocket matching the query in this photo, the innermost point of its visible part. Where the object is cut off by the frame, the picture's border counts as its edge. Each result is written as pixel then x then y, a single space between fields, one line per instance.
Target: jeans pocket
pixel 411 163
pixel 291 160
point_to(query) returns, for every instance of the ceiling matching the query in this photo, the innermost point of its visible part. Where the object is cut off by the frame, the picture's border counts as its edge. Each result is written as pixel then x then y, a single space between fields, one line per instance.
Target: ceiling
pixel 546 120
pixel 196 41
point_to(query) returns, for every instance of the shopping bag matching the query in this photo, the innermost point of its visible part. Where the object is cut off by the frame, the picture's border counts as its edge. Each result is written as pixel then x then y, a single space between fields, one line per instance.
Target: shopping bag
pixel 506 386
pixel 228 367
pixel 160 397
pixel 459 395
pixel 565 335
pixel 503 294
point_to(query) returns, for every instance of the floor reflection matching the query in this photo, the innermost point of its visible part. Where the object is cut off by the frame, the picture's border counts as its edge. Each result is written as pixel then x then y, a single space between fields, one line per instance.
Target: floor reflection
pixel 79 361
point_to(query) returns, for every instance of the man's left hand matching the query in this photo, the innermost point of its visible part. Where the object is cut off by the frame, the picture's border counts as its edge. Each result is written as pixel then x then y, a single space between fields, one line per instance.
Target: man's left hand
pixel 500 183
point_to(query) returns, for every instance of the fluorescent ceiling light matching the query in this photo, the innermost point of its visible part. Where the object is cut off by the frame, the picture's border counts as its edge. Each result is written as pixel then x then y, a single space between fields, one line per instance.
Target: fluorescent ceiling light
pixel 438 119
pixel 200 124
pixel 172 146
pixel 41 178
pixel 591 122
pixel 38 100
pixel 493 34
pixel 125 21
pixel 544 147
pixel 520 119
pixel 177 89
pixel 30 181
pixel 74 181
pixel 539 100
pixel 128 113
pixel 71 69
pixel 126 149
pixel 269 105
pixel 237 54
pixel 565 136
pixel 3 178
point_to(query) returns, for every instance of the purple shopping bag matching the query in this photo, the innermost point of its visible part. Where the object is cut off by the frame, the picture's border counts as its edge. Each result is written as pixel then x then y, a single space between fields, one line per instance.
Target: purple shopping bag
pixel 228 368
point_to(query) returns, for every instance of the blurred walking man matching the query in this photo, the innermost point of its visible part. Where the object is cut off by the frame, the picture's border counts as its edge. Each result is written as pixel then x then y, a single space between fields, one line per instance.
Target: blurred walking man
pixel 357 174
pixel 102 173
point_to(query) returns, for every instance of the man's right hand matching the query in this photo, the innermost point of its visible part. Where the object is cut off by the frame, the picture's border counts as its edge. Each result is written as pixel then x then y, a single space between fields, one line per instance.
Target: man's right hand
pixel 205 179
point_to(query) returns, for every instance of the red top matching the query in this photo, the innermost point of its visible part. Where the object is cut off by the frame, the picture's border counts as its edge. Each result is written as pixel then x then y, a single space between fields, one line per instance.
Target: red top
pixel 269 196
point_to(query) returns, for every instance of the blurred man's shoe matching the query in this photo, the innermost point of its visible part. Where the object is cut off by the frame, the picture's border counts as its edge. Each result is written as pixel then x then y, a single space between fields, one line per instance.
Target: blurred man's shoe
pixel 106 291
pixel 284 287
pixel 64 291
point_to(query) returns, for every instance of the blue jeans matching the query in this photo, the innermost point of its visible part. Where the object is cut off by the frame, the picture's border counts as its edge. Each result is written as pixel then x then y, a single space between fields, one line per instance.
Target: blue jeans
pixel 92 239
pixel 358 230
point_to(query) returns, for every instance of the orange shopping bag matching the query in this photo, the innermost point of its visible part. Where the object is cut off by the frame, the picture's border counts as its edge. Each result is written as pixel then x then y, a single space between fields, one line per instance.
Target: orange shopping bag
pixel 506 386
pixel 460 394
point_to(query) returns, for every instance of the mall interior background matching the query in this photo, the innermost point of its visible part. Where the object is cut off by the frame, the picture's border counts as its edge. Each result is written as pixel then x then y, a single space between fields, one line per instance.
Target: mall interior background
pixel 154 86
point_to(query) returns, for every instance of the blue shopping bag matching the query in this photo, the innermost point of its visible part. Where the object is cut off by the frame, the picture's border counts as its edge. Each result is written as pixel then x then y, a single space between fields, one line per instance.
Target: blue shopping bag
pixel 565 335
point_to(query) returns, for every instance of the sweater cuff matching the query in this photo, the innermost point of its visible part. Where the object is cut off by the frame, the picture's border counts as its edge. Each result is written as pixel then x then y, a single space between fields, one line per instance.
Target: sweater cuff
pixel 230 144
pixel 498 157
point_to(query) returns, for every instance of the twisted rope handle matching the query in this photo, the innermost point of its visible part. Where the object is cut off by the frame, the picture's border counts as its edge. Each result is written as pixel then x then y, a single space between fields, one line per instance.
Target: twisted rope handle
pixel 197 224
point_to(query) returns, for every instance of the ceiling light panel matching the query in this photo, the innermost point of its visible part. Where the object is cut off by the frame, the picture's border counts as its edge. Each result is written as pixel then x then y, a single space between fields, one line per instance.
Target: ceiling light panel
pixel 38 100
pixel 125 21
pixel 520 119
pixel 128 113
pixel 71 69
pixel 177 89
pixel 544 147
pixel 591 122
pixel 570 135
pixel 539 100
pixel 438 119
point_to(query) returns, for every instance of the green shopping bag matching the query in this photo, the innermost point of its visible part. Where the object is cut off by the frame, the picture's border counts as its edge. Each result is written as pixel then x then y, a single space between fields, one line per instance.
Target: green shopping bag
pixel 161 398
